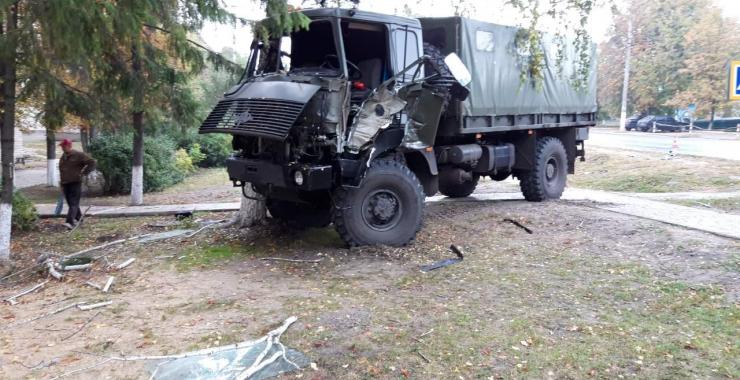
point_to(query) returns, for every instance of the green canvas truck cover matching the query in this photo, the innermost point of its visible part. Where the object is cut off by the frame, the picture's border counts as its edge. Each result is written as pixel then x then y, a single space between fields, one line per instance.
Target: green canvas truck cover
pixel 489 52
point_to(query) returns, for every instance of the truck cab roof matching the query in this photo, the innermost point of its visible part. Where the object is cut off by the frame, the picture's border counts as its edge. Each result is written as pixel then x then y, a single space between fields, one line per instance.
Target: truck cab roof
pixel 360 16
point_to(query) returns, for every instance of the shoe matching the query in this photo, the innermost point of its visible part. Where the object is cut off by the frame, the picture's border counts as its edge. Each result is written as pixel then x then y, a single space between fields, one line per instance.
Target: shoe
pixel 69 226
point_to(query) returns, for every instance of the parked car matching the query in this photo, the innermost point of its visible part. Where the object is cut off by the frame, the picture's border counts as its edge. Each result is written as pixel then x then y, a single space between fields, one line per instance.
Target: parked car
pixel 662 123
pixel 631 123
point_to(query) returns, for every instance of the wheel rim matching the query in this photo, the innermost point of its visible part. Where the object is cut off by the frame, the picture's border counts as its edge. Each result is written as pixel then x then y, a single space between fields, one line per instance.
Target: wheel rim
pixel 551 170
pixel 381 210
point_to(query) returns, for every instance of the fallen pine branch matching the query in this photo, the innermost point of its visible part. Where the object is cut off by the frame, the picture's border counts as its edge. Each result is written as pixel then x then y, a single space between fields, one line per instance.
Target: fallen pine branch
pixel 81 327
pixel 56 311
pixel 214 224
pixel 13 299
pixel 291 260
pixel 106 245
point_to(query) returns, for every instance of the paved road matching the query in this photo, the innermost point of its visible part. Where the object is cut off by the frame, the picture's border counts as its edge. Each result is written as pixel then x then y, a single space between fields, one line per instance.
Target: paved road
pixel 717 144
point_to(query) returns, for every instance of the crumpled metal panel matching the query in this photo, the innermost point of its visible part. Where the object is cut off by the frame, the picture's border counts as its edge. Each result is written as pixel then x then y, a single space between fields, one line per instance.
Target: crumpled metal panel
pixel 376 113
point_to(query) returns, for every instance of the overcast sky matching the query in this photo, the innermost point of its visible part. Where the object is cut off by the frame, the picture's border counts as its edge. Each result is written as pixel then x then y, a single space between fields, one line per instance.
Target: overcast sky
pixel 220 36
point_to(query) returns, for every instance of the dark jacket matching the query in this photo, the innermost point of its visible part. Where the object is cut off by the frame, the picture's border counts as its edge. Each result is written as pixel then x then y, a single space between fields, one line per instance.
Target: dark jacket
pixel 73 165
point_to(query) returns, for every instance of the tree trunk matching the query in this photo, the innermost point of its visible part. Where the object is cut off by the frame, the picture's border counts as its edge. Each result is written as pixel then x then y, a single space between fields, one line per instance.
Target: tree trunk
pixel 626 82
pixel 51 157
pixel 7 136
pixel 84 139
pixel 252 211
pixel 711 118
pixel 137 164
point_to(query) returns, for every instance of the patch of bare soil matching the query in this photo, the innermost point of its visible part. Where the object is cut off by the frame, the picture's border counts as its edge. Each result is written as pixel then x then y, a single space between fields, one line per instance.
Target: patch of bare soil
pixel 587 294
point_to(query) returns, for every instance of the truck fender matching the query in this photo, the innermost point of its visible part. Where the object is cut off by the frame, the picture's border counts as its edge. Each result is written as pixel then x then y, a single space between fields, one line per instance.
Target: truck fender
pixel 386 140
pixel 424 164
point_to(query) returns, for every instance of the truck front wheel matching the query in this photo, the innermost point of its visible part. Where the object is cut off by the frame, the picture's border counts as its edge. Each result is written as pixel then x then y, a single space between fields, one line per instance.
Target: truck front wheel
pixel 547 179
pixel 386 208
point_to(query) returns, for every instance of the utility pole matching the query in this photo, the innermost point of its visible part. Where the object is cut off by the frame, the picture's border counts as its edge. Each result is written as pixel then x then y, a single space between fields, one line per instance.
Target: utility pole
pixel 625 84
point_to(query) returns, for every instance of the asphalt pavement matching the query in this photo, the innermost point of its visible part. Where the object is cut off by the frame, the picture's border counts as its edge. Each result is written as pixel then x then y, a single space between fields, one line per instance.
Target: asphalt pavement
pixel 724 145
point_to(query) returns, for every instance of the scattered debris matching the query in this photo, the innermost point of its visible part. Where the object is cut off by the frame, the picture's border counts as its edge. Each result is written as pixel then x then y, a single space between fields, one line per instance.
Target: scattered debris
pixel 125 263
pixel 183 215
pixel 13 299
pixel 85 307
pixel 209 224
pixel 422 356
pixel 106 245
pixel 56 311
pixel 445 262
pixel 81 327
pixel 108 284
pixel 254 360
pixel 94 285
pixel 292 260
pixel 77 267
pixel 52 270
pixel 165 257
pixel 514 222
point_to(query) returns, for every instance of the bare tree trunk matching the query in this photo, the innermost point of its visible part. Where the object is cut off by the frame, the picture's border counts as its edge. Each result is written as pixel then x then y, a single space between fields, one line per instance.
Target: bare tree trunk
pixel 7 136
pixel 137 165
pixel 51 157
pixel 626 82
pixel 711 118
pixel 252 211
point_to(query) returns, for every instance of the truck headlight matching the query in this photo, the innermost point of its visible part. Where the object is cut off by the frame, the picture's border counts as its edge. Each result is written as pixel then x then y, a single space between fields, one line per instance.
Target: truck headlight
pixel 298 177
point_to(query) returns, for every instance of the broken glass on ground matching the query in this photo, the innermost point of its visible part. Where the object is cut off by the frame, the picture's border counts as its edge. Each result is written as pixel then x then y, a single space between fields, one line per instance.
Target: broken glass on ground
pixel 253 360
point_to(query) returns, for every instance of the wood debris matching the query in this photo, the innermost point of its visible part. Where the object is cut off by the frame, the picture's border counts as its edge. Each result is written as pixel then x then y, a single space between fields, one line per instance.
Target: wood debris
pixel 108 284
pixel 85 307
pixel 125 263
pixel 13 299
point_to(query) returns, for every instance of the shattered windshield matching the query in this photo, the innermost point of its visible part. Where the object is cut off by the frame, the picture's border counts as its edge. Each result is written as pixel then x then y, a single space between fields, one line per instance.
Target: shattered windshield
pixel 308 51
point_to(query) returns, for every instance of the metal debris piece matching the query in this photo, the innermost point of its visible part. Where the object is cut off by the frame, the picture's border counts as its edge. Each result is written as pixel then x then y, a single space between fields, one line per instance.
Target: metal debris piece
pixel 445 262
pixel 514 222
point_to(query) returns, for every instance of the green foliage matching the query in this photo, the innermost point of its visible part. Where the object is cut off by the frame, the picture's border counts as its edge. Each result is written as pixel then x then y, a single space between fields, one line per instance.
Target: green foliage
pixel 195 154
pixel 24 213
pixel 281 19
pixel 183 162
pixel 114 155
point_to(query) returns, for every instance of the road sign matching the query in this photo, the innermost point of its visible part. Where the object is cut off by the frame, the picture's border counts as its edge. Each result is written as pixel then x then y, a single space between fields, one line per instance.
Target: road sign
pixel 735 80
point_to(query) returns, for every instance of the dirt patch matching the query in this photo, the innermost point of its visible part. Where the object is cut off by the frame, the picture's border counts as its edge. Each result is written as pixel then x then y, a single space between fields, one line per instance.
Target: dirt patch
pixel 588 294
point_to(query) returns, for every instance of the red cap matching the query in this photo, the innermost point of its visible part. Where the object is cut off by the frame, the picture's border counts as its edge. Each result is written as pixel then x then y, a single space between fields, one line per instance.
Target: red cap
pixel 66 142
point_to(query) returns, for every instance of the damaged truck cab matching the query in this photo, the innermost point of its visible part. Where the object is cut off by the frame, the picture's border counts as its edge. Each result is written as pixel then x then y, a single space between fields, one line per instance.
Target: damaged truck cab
pixel 355 120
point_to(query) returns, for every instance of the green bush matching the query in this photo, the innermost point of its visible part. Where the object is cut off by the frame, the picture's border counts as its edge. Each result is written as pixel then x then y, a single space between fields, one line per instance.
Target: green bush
pixel 114 154
pixel 196 154
pixel 24 213
pixel 216 147
pixel 183 161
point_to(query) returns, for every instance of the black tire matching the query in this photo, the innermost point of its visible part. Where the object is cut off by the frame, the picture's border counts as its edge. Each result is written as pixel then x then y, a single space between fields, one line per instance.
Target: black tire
pixel 385 209
pixel 548 178
pixel 455 189
pixel 299 215
pixel 500 176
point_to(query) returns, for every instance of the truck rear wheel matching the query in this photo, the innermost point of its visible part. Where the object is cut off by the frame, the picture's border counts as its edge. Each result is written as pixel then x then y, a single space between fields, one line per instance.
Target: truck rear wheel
pixel 457 183
pixel 299 215
pixel 547 179
pixel 385 209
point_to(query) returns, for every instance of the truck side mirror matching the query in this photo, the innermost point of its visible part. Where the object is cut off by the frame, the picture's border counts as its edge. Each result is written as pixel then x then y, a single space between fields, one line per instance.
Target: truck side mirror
pixel 458 69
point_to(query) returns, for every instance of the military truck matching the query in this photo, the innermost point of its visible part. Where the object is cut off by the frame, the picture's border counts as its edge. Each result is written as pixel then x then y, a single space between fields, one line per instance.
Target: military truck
pixel 355 120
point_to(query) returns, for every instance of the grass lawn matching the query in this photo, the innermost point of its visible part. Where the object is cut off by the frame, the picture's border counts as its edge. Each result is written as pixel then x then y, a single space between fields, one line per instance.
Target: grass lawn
pixel 639 172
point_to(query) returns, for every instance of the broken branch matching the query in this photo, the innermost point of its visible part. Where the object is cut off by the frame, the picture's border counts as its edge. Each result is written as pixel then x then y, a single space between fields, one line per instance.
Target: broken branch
pixel 52 271
pixel 125 263
pixel 77 267
pixel 81 327
pixel 12 299
pixel 108 284
pixel 85 307
pixel 514 222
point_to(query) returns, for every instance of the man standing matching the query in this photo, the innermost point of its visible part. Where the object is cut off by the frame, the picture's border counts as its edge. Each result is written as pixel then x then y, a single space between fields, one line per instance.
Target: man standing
pixel 72 166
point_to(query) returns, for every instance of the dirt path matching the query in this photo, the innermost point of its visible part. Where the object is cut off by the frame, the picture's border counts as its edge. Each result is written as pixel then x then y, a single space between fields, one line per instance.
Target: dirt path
pixel 589 293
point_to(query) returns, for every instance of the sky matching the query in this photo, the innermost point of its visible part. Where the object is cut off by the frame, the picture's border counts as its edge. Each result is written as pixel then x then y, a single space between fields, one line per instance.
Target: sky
pixel 495 11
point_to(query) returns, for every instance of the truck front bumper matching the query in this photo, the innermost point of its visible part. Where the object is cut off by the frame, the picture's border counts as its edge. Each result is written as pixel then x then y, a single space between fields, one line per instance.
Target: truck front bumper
pixel 267 174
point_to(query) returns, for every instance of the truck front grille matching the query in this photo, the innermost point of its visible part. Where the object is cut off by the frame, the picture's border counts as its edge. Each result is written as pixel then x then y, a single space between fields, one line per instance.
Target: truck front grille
pixel 268 118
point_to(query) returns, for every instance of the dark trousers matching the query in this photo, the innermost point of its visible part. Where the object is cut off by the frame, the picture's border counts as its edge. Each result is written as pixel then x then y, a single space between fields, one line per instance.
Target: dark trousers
pixel 72 192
